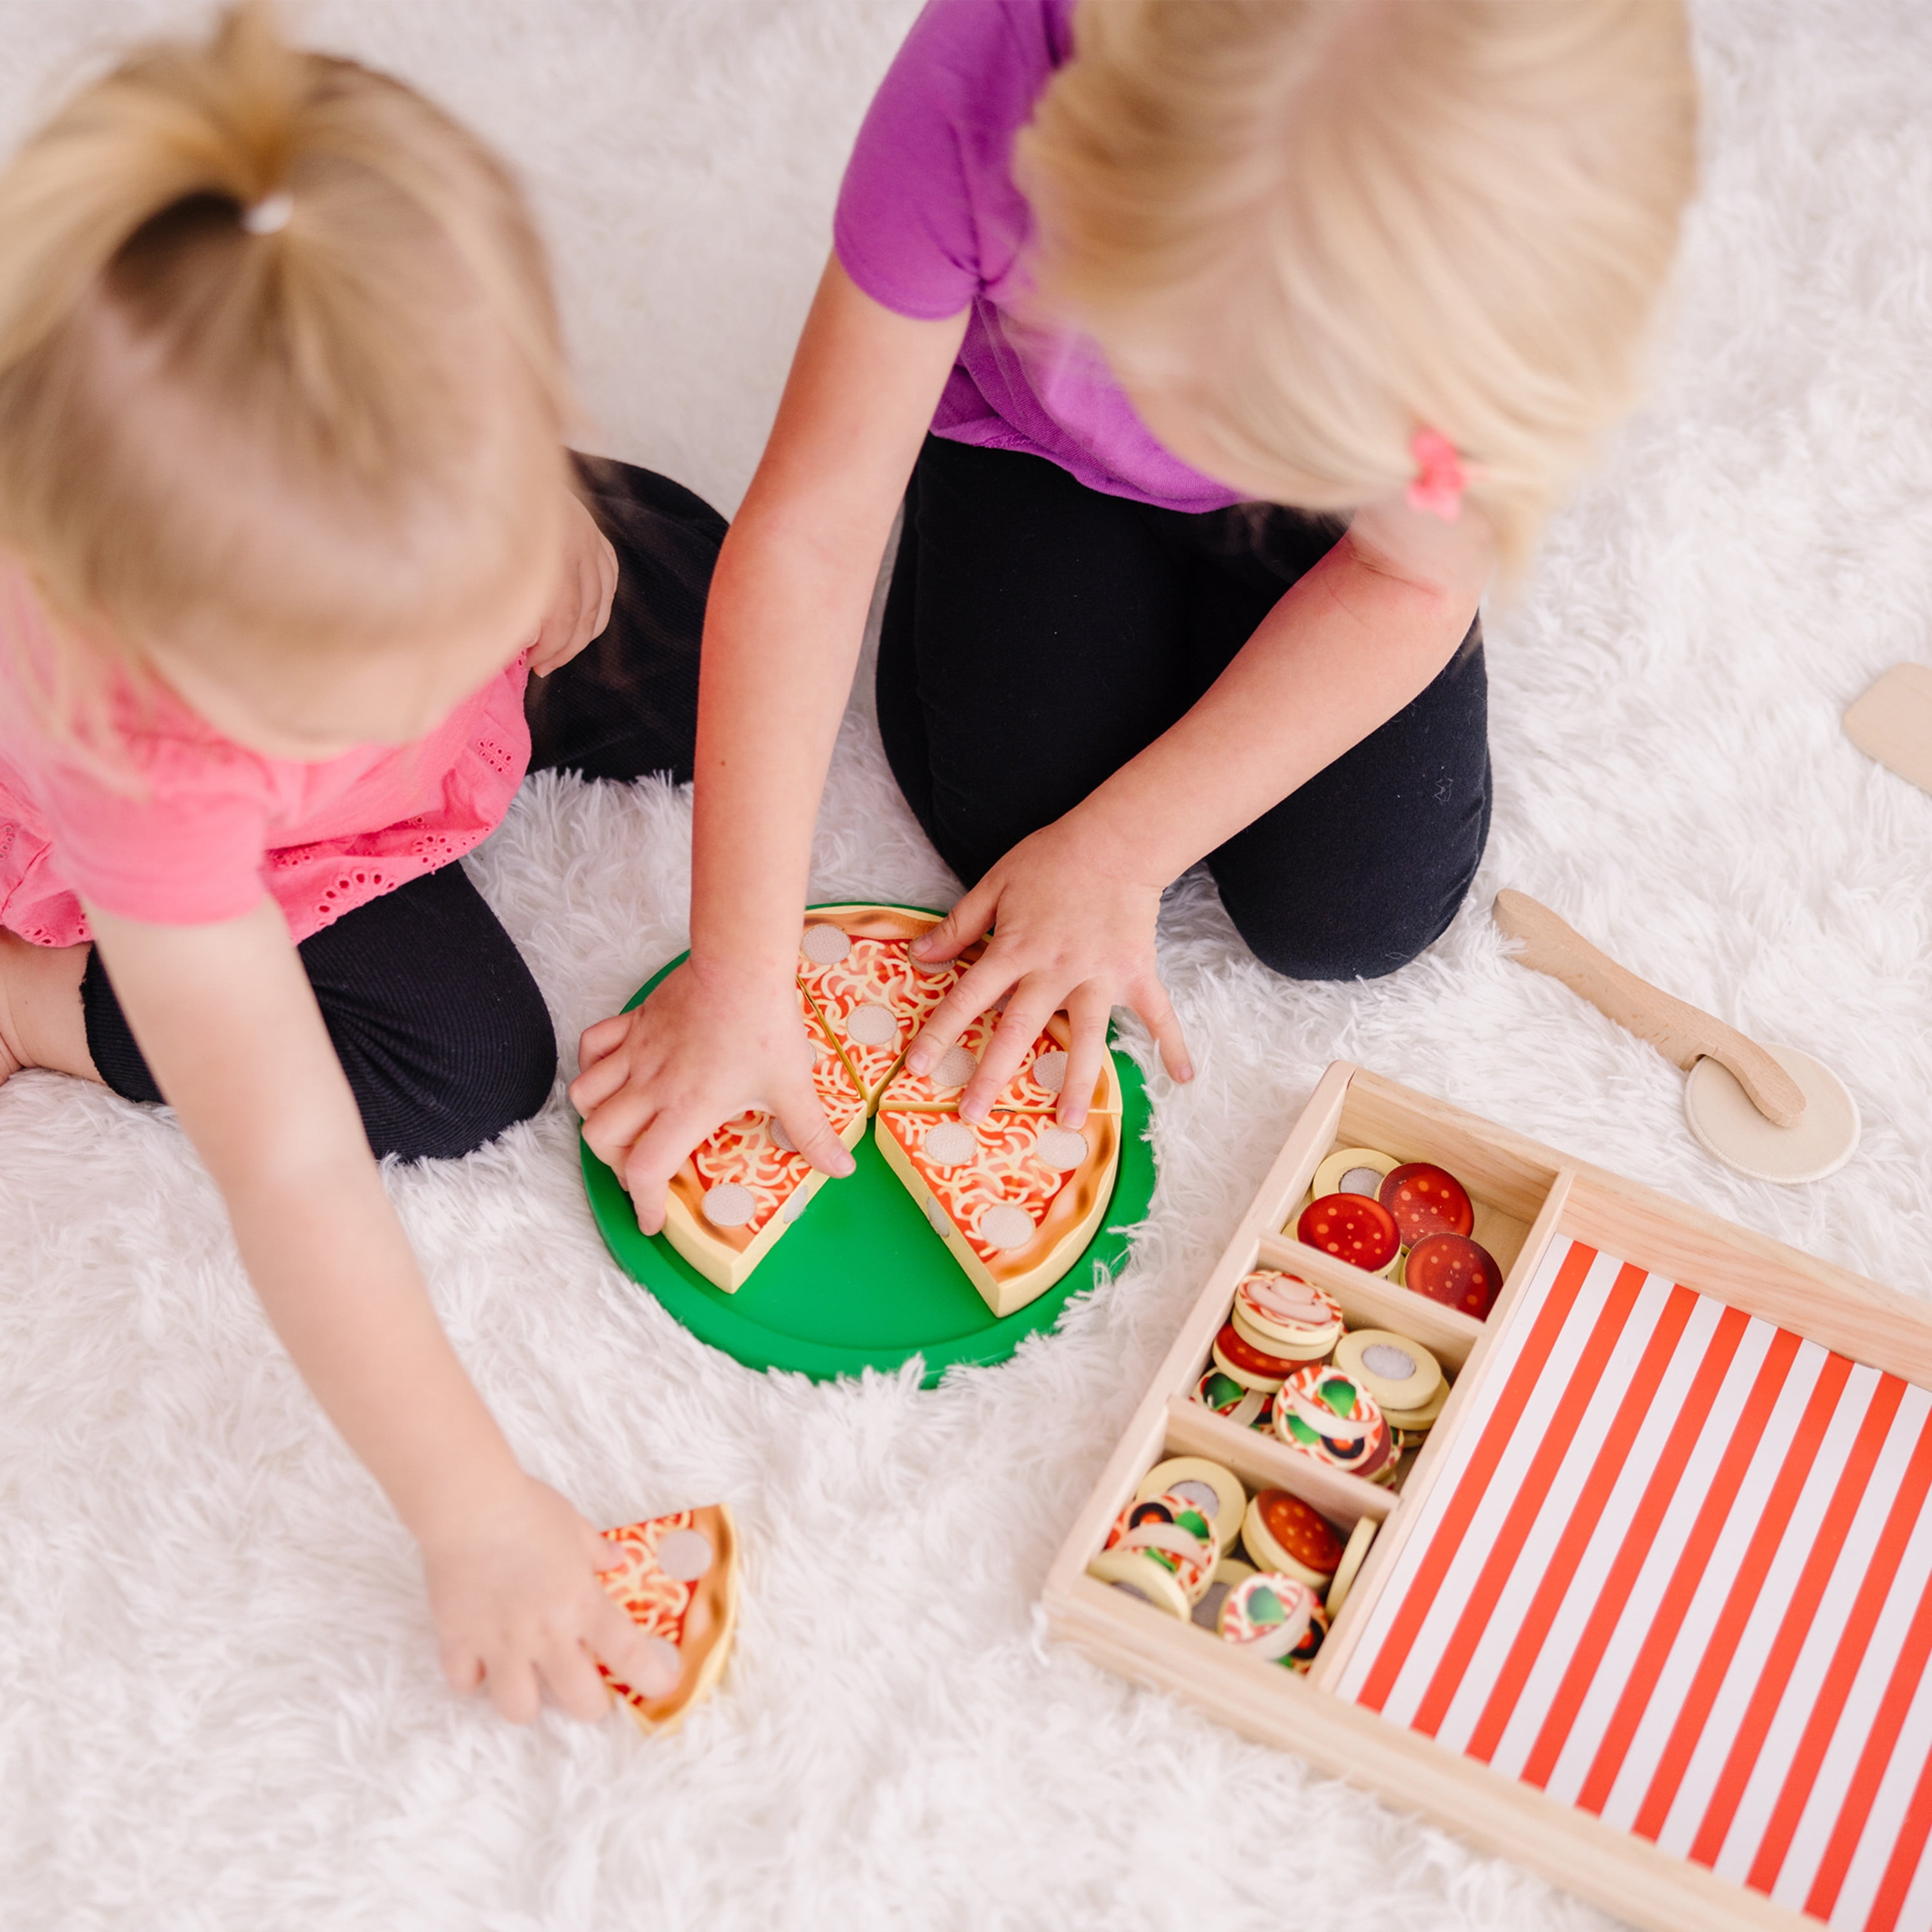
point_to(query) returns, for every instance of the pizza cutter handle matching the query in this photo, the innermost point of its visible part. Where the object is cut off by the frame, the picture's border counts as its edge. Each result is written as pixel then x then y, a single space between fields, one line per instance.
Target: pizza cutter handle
pixel 1683 1033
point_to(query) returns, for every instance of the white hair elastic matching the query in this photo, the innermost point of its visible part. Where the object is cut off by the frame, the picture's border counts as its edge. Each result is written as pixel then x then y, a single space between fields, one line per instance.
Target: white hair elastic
pixel 270 215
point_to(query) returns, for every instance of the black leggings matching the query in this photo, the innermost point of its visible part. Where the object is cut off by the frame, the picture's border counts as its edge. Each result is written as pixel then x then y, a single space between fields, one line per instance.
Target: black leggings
pixel 438 1025
pixel 1038 634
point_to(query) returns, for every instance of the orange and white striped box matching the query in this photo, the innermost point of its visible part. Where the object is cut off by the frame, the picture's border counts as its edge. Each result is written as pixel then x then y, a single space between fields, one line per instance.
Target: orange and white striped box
pixel 1652 1610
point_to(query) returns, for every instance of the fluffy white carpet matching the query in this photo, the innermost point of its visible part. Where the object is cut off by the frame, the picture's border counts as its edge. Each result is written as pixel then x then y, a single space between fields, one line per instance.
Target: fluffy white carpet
pixel 218 1702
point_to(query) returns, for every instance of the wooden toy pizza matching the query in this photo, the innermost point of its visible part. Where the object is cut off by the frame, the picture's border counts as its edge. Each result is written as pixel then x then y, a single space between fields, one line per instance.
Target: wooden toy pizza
pixel 1642 1599
pixel 676 1578
pixel 1016 1197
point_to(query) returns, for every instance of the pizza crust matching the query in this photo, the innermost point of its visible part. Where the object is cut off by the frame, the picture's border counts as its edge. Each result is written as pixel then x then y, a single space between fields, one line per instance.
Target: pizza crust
pixel 676 1578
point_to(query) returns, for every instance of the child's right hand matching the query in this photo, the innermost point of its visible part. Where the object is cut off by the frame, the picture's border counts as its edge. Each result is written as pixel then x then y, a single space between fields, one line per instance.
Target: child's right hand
pixel 513 1590
pixel 705 1046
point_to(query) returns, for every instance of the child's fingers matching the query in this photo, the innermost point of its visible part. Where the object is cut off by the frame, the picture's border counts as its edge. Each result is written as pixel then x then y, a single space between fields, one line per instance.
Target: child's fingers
pixel 606 1036
pixel 1149 999
pixel 614 1128
pixel 649 1669
pixel 805 1126
pixel 967 920
pixel 604 1078
pixel 462 1667
pixel 654 1159
pixel 565 1666
pixel 513 1688
pixel 1088 1010
pixel 1034 1003
pixel 607 582
pixel 983 985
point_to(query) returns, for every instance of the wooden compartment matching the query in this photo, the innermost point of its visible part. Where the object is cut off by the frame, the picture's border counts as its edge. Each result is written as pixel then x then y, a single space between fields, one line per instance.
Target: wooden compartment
pixel 1537 1458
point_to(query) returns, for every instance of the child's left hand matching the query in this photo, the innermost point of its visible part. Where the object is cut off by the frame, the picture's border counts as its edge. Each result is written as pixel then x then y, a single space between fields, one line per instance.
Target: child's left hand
pixel 586 583
pixel 1073 929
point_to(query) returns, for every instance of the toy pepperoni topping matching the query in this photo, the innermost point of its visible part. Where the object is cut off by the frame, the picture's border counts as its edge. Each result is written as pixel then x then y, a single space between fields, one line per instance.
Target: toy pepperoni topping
pixel 1290 1529
pixel 1351 1228
pixel 1425 1200
pixel 1455 1271
pixel 1235 1353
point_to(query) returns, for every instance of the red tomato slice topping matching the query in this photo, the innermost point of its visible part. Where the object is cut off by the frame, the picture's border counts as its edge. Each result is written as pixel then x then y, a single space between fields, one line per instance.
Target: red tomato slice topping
pixel 1425 1199
pixel 1455 1271
pixel 1236 1349
pixel 1352 1228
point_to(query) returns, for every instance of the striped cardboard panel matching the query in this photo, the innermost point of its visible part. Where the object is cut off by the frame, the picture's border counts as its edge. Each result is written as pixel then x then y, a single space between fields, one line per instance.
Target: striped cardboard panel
pixel 1675 1570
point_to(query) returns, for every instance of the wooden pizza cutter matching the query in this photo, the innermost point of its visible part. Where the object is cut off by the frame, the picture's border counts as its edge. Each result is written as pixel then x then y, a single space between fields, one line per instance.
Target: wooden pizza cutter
pixel 1893 723
pixel 1769 1111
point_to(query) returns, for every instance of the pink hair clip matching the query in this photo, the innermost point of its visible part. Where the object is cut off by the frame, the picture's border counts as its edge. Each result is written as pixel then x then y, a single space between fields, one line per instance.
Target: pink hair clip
pixel 1440 478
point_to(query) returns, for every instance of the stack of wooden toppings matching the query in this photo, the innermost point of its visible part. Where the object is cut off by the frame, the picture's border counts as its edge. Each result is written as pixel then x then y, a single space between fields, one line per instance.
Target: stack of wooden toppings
pixel 1162 1549
pixel 1412 1221
pixel 1286 1362
pixel 1173 1547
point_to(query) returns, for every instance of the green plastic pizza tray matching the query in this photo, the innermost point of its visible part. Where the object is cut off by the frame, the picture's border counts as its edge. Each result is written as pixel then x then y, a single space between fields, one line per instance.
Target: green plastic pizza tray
pixel 862 1281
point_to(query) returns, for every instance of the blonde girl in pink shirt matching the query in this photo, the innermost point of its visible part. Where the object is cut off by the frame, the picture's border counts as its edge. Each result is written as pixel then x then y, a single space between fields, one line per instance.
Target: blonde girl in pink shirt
pixel 286 525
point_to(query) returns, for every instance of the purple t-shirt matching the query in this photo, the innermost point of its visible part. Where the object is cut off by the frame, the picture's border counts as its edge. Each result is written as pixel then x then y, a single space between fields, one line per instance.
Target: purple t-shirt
pixel 929 221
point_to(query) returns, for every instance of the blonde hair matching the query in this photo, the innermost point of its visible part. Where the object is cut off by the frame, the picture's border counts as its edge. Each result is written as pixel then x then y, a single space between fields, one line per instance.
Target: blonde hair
pixel 278 359
pixel 1319 226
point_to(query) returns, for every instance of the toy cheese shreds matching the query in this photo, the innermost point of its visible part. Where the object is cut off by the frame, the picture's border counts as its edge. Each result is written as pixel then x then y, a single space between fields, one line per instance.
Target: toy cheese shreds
pixel 676 1578
pixel 856 964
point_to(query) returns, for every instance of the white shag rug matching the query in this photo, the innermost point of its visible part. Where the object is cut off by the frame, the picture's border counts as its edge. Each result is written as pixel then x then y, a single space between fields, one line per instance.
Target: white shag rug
pixel 219 1704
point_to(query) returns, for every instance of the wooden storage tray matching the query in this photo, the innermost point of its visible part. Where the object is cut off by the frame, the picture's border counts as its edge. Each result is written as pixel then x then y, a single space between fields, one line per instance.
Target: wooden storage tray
pixel 1553 1223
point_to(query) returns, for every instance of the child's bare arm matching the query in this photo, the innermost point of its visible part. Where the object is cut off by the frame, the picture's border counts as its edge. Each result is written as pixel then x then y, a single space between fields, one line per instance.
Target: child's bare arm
pixel 230 1029
pixel 1074 905
pixel 782 635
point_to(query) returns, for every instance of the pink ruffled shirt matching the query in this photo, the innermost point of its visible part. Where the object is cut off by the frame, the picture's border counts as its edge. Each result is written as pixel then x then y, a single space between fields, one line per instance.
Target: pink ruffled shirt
pixel 217 825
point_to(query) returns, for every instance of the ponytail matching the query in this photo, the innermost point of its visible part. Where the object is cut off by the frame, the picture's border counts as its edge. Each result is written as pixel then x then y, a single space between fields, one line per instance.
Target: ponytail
pixel 283 268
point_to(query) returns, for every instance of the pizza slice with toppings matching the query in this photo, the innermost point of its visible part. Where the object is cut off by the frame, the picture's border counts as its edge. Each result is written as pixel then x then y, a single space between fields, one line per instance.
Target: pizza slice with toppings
pixel 1015 1197
pixel 676 1578
pixel 744 1184
pixel 856 967
pixel 1034 1089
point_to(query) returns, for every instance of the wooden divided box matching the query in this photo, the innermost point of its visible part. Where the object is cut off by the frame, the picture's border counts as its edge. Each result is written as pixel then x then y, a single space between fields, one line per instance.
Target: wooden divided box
pixel 1651 1610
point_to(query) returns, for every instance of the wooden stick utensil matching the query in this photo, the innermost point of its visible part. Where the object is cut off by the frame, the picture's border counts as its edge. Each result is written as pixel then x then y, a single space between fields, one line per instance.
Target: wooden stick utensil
pixel 1683 1033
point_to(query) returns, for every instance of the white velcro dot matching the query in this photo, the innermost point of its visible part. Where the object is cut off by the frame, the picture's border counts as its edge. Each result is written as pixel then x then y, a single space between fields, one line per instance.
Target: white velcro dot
pixel 1382 1358
pixel 872 1025
pixel 728 1205
pixel 782 1140
pixel 793 1208
pixel 942 1224
pixel 824 945
pixel 1050 1070
pixel 951 1142
pixel 1006 1227
pixel 1061 1148
pixel 1361 1181
pixel 668 1659
pixel 957 1065
pixel 1201 1494
pixel 684 1555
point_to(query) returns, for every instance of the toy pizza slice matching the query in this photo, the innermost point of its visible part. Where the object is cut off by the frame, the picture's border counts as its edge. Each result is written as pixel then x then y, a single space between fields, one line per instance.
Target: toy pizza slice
pixel 855 965
pixel 746 1184
pixel 1034 1089
pixel 676 1578
pixel 1015 1197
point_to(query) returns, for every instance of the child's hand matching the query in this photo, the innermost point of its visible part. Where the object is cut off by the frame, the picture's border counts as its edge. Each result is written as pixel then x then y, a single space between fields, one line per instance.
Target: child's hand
pixel 517 1606
pixel 585 583
pixel 703 1049
pixel 1072 927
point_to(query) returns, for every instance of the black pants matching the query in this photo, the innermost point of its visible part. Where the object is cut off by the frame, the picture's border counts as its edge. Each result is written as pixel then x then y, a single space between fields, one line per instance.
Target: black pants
pixel 1038 634
pixel 438 1025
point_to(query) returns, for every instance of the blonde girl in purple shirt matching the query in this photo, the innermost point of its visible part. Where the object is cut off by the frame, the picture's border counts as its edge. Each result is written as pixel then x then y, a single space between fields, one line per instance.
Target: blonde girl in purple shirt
pixel 1220 354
